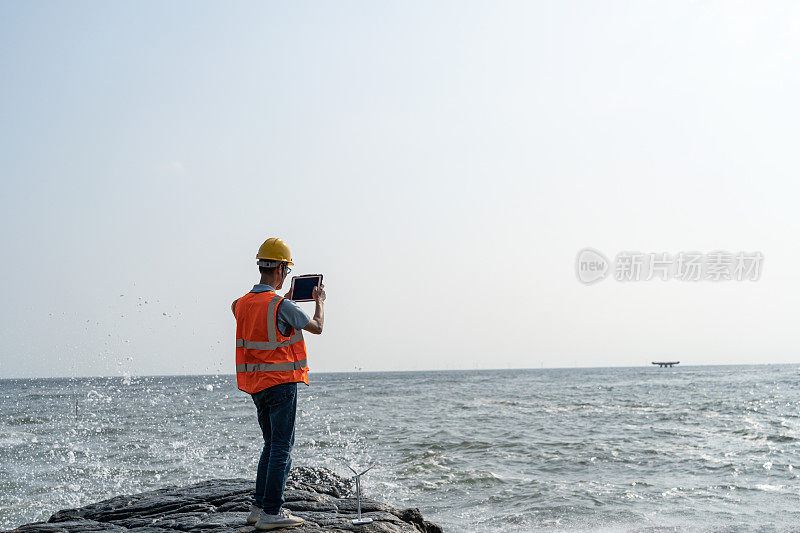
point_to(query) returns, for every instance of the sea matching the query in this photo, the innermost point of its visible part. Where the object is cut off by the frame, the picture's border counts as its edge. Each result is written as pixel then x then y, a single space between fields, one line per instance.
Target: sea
pixel 689 448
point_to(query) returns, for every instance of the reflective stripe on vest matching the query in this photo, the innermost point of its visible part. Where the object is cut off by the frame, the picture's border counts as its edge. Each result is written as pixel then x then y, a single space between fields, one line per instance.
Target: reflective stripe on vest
pixel 271 367
pixel 272 325
pixel 268 345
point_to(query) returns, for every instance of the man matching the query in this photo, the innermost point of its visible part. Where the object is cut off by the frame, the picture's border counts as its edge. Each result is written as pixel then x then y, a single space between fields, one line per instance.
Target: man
pixel 270 362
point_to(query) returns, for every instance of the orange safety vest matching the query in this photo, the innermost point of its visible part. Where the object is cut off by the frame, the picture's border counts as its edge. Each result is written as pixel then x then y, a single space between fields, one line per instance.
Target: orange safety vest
pixel 264 356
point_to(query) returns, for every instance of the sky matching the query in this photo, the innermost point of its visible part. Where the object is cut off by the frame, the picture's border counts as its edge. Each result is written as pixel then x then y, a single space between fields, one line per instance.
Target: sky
pixel 441 163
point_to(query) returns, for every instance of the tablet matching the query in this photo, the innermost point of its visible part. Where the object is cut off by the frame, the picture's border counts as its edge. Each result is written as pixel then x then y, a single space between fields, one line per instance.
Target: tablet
pixel 303 287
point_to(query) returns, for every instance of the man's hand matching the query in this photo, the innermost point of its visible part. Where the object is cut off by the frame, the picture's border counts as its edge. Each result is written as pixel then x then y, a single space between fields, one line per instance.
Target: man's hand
pixel 288 295
pixel 319 293
pixel 315 324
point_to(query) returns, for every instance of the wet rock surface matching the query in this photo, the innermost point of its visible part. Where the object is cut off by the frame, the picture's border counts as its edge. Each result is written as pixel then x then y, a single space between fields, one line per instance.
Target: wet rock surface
pixel 323 498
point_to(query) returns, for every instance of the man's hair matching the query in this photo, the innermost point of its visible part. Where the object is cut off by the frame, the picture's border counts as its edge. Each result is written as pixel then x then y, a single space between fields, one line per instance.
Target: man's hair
pixel 267 271
pixel 270 270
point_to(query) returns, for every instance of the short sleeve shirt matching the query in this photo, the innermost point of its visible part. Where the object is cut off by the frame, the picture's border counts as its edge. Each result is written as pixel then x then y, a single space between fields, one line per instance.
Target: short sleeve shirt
pixel 289 313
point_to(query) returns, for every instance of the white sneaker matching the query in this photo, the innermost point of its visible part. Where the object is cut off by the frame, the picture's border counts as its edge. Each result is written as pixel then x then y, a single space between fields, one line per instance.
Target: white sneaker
pixel 274 521
pixel 253 517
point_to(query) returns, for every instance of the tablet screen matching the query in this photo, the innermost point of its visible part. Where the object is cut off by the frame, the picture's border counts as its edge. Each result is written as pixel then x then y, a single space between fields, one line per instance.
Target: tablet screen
pixel 303 286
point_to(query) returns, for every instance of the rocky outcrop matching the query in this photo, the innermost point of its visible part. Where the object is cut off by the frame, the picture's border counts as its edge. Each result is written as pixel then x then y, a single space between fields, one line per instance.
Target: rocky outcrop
pixel 323 498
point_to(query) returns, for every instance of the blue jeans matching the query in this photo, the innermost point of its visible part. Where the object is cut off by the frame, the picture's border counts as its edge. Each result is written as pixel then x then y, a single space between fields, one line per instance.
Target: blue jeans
pixel 277 408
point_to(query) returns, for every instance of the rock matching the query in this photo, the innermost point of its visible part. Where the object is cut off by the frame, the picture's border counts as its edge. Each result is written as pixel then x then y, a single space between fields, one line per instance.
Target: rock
pixel 323 498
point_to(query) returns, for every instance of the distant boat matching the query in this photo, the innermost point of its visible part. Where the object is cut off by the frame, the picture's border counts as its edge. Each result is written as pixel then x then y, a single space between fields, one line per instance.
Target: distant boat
pixel 665 364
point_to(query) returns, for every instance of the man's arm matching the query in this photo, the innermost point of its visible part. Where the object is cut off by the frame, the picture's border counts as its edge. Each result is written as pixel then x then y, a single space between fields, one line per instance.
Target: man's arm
pixel 315 324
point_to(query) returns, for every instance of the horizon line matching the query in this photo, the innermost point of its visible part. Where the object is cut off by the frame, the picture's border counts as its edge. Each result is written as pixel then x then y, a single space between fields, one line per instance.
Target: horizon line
pixel 649 365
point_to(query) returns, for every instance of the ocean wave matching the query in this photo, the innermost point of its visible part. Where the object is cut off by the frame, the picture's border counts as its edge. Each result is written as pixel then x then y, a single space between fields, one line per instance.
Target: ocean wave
pixel 601 449
pixel 22 420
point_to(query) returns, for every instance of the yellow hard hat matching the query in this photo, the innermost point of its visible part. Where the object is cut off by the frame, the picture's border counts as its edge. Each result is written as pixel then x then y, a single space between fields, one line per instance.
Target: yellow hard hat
pixel 275 249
